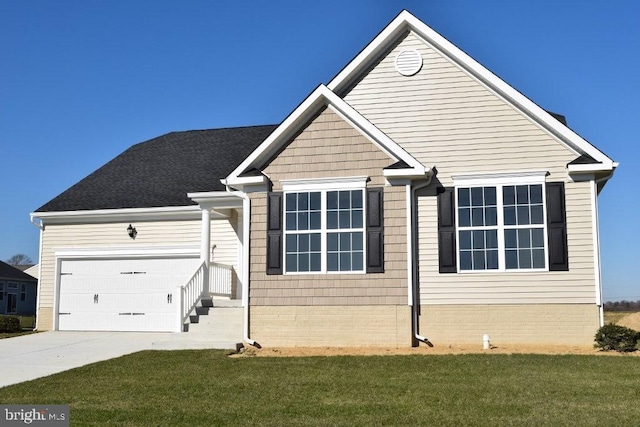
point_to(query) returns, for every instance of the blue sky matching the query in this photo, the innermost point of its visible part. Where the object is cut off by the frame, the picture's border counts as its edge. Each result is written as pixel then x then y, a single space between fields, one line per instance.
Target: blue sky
pixel 81 81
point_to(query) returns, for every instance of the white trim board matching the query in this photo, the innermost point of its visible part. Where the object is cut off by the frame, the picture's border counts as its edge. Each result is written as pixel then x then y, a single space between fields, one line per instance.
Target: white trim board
pixel 405 22
pixel 118 215
pixel 320 98
pixel 124 252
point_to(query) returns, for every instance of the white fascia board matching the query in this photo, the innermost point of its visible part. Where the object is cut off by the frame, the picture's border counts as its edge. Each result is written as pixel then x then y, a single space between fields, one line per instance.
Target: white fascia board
pixel 406 173
pixel 371 132
pixel 321 97
pixel 405 21
pixel 216 200
pixel 128 252
pixel 118 215
pixel 246 180
pixel 528 177
pixel 591 167
pixel 324 183
pixel 286 129
pixel 376 47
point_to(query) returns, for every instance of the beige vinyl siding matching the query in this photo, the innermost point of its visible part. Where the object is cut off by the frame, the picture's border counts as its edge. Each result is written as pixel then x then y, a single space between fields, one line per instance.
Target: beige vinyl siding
pixel 114 235
pixel 224 236
pixel 329 147
pixel 445 117
pixel 573 286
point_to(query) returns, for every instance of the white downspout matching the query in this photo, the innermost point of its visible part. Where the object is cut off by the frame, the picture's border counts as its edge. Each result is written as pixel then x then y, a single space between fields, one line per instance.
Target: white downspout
pixel 596 246
pixel 246 220
pixel 41 228
pixel 412 225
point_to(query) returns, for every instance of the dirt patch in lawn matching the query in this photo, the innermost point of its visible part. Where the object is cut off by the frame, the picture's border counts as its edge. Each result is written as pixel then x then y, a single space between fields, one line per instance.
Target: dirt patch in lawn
pixel 422 350
pixel 631 321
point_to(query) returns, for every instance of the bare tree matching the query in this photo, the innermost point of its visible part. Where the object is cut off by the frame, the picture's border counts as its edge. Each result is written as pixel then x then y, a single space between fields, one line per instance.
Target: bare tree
pixel 19 259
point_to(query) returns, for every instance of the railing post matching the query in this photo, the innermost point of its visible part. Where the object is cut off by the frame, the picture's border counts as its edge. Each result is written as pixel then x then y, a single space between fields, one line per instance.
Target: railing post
pixel 205 244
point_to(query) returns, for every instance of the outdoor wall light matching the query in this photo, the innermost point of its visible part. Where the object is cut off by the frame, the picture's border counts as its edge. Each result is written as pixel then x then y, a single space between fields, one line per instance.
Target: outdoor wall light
pixel 132 232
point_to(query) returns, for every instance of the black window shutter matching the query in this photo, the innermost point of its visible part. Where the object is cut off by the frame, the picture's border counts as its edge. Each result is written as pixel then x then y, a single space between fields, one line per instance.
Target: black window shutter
pixel 274 233
pixel 447 251
pixel 375 230
pixel 557 227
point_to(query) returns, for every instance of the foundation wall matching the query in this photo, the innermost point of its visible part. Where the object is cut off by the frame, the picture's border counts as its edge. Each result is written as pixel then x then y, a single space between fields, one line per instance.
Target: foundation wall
pixel 551 324
pixel 331 326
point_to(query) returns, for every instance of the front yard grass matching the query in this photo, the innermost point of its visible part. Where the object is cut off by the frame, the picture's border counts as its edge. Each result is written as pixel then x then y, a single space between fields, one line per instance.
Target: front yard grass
pixel 205 388
pixel 15 334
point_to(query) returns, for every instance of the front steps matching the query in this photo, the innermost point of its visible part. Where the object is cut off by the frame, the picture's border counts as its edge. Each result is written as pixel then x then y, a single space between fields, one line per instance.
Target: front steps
pixel 214 324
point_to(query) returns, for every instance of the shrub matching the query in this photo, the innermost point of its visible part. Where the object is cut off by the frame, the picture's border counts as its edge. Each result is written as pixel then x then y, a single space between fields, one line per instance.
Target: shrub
pixel 616 337
pixel 10 324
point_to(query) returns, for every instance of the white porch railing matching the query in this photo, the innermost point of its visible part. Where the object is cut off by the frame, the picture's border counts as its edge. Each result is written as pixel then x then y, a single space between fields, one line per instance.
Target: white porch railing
pixel 220 283
pixel 189 295
pixel 221 279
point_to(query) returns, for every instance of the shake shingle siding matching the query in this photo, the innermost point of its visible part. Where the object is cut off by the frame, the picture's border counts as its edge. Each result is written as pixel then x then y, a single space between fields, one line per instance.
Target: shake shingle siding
pixel 160 172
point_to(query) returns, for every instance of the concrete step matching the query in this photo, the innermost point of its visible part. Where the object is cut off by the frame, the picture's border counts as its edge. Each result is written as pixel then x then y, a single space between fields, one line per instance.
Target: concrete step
pixel 221 324
pixel 206 304
pixel 225 302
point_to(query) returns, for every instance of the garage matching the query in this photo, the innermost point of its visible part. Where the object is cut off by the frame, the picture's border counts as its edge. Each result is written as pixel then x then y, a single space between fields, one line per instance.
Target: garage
pixel 121 294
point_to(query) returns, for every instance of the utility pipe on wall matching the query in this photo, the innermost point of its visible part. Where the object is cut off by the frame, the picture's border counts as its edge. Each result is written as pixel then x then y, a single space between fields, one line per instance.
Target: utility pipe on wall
pixel 246 220
pixel 412 232
pixel 596 245
pixel 40 226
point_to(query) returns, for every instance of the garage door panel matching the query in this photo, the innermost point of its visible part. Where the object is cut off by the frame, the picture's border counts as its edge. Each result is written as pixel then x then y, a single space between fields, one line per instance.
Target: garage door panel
pixel 121 294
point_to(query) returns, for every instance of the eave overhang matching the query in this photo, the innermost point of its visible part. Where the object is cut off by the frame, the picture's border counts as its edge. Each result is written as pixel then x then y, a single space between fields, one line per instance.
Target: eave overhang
pixel 216 200
pixel 118 215
pixel 591 168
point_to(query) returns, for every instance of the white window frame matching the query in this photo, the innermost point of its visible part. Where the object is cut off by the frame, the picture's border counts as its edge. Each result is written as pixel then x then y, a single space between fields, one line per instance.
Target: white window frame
pixel 23 292
pixel 499 181
pixel 2 289
pixel 323 186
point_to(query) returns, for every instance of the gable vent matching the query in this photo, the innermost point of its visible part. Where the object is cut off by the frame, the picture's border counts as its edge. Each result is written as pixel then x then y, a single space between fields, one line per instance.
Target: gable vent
pixel 408 62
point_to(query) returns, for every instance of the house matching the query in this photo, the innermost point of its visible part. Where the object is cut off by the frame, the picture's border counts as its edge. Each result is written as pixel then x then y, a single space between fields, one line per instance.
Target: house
pixel 17 291
pixel 32 270
pixel 416 197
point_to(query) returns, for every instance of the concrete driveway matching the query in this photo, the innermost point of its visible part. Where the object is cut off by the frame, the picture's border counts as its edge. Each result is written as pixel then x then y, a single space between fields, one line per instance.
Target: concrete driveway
pixel 28 357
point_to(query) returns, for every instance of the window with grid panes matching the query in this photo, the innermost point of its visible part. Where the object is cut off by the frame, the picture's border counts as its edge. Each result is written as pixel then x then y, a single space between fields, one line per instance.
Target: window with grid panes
pixel 324 231
pixel 501 227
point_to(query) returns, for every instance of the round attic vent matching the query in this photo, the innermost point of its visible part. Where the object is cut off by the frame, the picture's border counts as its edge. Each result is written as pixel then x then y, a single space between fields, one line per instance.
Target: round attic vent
pixel 408 62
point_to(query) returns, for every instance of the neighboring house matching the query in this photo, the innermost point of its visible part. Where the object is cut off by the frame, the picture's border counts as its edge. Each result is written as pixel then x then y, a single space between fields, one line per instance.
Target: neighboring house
pixel 415 197
pixel 33 270
pixel 17 291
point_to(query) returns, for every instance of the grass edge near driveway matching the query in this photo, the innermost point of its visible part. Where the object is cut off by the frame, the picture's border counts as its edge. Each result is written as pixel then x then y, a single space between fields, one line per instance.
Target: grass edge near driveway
pixel 206 387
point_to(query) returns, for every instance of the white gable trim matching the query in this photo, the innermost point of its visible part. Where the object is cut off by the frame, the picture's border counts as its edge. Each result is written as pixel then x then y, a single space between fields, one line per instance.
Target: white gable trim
pixel 320 98
pixel 405 21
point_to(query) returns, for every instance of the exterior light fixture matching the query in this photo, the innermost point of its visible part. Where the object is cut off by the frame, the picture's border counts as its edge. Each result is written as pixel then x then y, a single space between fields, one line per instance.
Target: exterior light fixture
pixel 132 232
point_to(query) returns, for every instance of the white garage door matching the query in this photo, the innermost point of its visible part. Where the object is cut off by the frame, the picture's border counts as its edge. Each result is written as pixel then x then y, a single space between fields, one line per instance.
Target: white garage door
pixel 121 294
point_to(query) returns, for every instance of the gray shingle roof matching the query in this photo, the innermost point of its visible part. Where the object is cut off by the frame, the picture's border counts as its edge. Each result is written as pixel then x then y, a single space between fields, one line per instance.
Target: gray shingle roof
pixel 161 171
pixel 9 272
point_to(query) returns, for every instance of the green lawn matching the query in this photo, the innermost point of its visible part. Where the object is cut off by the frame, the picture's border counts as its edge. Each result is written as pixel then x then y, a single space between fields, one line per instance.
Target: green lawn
pixel 193 388
pixel 15 334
